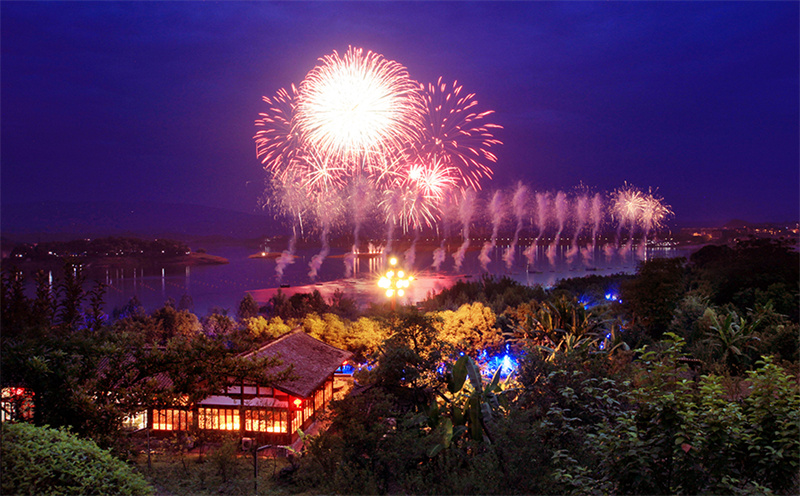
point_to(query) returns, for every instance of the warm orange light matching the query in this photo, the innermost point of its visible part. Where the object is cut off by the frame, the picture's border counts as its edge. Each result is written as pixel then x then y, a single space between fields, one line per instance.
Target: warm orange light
pixel 297 402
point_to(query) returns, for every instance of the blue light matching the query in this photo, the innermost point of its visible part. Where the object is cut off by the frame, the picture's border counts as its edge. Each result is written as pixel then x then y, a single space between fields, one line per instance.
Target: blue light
pixel 505 362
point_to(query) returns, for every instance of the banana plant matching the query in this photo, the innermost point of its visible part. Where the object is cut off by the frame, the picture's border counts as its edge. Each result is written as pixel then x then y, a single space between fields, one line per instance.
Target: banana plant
pixel 731 336
pixel 473 408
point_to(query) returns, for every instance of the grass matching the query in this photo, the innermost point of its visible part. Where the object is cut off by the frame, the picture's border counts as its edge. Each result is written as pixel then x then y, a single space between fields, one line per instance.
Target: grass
pixel 207 474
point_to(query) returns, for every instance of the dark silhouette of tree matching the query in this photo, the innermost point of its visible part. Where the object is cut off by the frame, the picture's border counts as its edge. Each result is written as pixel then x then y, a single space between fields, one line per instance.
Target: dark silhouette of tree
pixel 248 308
pixel 650 299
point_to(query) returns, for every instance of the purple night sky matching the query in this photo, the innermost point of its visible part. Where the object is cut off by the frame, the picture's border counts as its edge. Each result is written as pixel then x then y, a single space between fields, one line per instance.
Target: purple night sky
pixel 139 101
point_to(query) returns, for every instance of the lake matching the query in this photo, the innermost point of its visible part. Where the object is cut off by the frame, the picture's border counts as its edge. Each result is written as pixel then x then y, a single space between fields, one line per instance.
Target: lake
pixel 223 286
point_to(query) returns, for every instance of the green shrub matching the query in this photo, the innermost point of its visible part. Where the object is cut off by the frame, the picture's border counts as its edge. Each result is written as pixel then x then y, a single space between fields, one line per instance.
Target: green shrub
pixel 40 460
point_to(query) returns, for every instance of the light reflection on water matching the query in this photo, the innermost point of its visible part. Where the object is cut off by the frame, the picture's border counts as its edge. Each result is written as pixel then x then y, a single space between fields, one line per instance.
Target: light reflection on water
pixel 223 286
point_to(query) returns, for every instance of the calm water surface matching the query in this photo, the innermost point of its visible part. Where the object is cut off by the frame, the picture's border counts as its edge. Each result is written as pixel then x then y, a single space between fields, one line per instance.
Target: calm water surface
pixel 223 286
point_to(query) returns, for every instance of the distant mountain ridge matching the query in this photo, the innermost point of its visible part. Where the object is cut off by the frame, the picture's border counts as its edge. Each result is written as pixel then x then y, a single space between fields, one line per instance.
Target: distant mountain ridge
pixel 60 221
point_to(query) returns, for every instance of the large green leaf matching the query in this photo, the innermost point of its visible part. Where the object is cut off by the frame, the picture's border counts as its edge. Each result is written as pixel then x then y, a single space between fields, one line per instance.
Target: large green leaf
pixel 474 374
pixel 455 380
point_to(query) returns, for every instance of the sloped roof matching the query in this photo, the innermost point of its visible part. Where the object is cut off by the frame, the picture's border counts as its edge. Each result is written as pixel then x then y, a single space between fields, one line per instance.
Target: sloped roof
pixel 312 361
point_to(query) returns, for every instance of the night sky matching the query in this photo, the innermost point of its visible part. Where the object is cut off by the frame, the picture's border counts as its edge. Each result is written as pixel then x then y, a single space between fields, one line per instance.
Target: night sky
pixel 118 101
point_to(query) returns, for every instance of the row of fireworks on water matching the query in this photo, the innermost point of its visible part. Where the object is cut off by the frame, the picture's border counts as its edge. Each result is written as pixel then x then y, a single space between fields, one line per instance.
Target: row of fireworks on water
pixel 359 142
pixel 517 216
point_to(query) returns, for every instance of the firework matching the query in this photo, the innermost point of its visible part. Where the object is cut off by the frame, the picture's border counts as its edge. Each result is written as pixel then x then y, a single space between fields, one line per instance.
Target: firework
pixel 277 144
pixel 359 108
pixel 359 123
pixel 654 213
pixel 627 205
pixel 455 132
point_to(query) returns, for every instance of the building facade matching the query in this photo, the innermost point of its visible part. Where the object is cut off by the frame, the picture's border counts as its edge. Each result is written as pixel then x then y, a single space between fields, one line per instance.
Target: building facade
pixel 270 414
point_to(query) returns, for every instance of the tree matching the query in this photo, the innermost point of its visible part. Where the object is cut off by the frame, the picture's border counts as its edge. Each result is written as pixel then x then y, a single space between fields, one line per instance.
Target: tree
pixel 248 308
pixel 171 322
pixel 751 272
pixel 91 379
pixel 651 297
pixel 470 329
pixel 261 329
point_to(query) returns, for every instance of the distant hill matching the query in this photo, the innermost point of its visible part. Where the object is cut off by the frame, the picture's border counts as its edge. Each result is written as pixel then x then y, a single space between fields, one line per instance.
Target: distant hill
pixel 61 221
pixel 738 224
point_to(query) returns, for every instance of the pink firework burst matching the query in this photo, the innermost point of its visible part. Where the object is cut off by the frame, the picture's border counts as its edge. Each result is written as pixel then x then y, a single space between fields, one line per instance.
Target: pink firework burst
pixel 455 132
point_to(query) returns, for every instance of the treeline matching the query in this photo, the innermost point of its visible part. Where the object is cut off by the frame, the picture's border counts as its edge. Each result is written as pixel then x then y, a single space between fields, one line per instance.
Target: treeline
pixel 100 247
pixel 681 378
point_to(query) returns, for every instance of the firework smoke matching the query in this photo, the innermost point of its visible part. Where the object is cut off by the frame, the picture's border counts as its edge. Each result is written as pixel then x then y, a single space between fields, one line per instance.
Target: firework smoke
pixel 581 214
pixel 518 203
pixel 542 209
pixel 561 207
pixel 597 219
pixel 286 258
pixel 496 212
pixel 465 210
pixel 410 255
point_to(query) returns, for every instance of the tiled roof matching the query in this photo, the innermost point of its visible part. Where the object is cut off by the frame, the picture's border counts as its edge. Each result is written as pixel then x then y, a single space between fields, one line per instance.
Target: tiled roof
pixel 312 361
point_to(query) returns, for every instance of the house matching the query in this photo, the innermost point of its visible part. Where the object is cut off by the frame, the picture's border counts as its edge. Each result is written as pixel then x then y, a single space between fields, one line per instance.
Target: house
pixel 271 414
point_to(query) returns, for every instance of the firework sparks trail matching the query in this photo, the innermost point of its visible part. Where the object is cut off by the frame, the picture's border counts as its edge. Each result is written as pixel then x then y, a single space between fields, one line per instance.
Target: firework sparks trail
pixel 277 143
pixel 542 216
pixel 465 211
pixel 518 203
pixel 628 204
pixel 561 211
pixel 359 116
pixel 359 132
pixel 496 212
pixel 653 215
pixel 596 217
pixel 454 131
pixel 581 214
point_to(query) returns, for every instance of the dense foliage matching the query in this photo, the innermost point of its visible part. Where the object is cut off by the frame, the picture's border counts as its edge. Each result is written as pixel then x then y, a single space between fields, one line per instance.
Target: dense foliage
pixel 679 379
pixel 670 386
pixel 44 461
pixel 87 374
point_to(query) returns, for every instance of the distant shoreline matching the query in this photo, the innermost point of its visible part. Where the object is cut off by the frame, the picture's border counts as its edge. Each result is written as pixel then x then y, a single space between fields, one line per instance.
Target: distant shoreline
pixel 193 259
